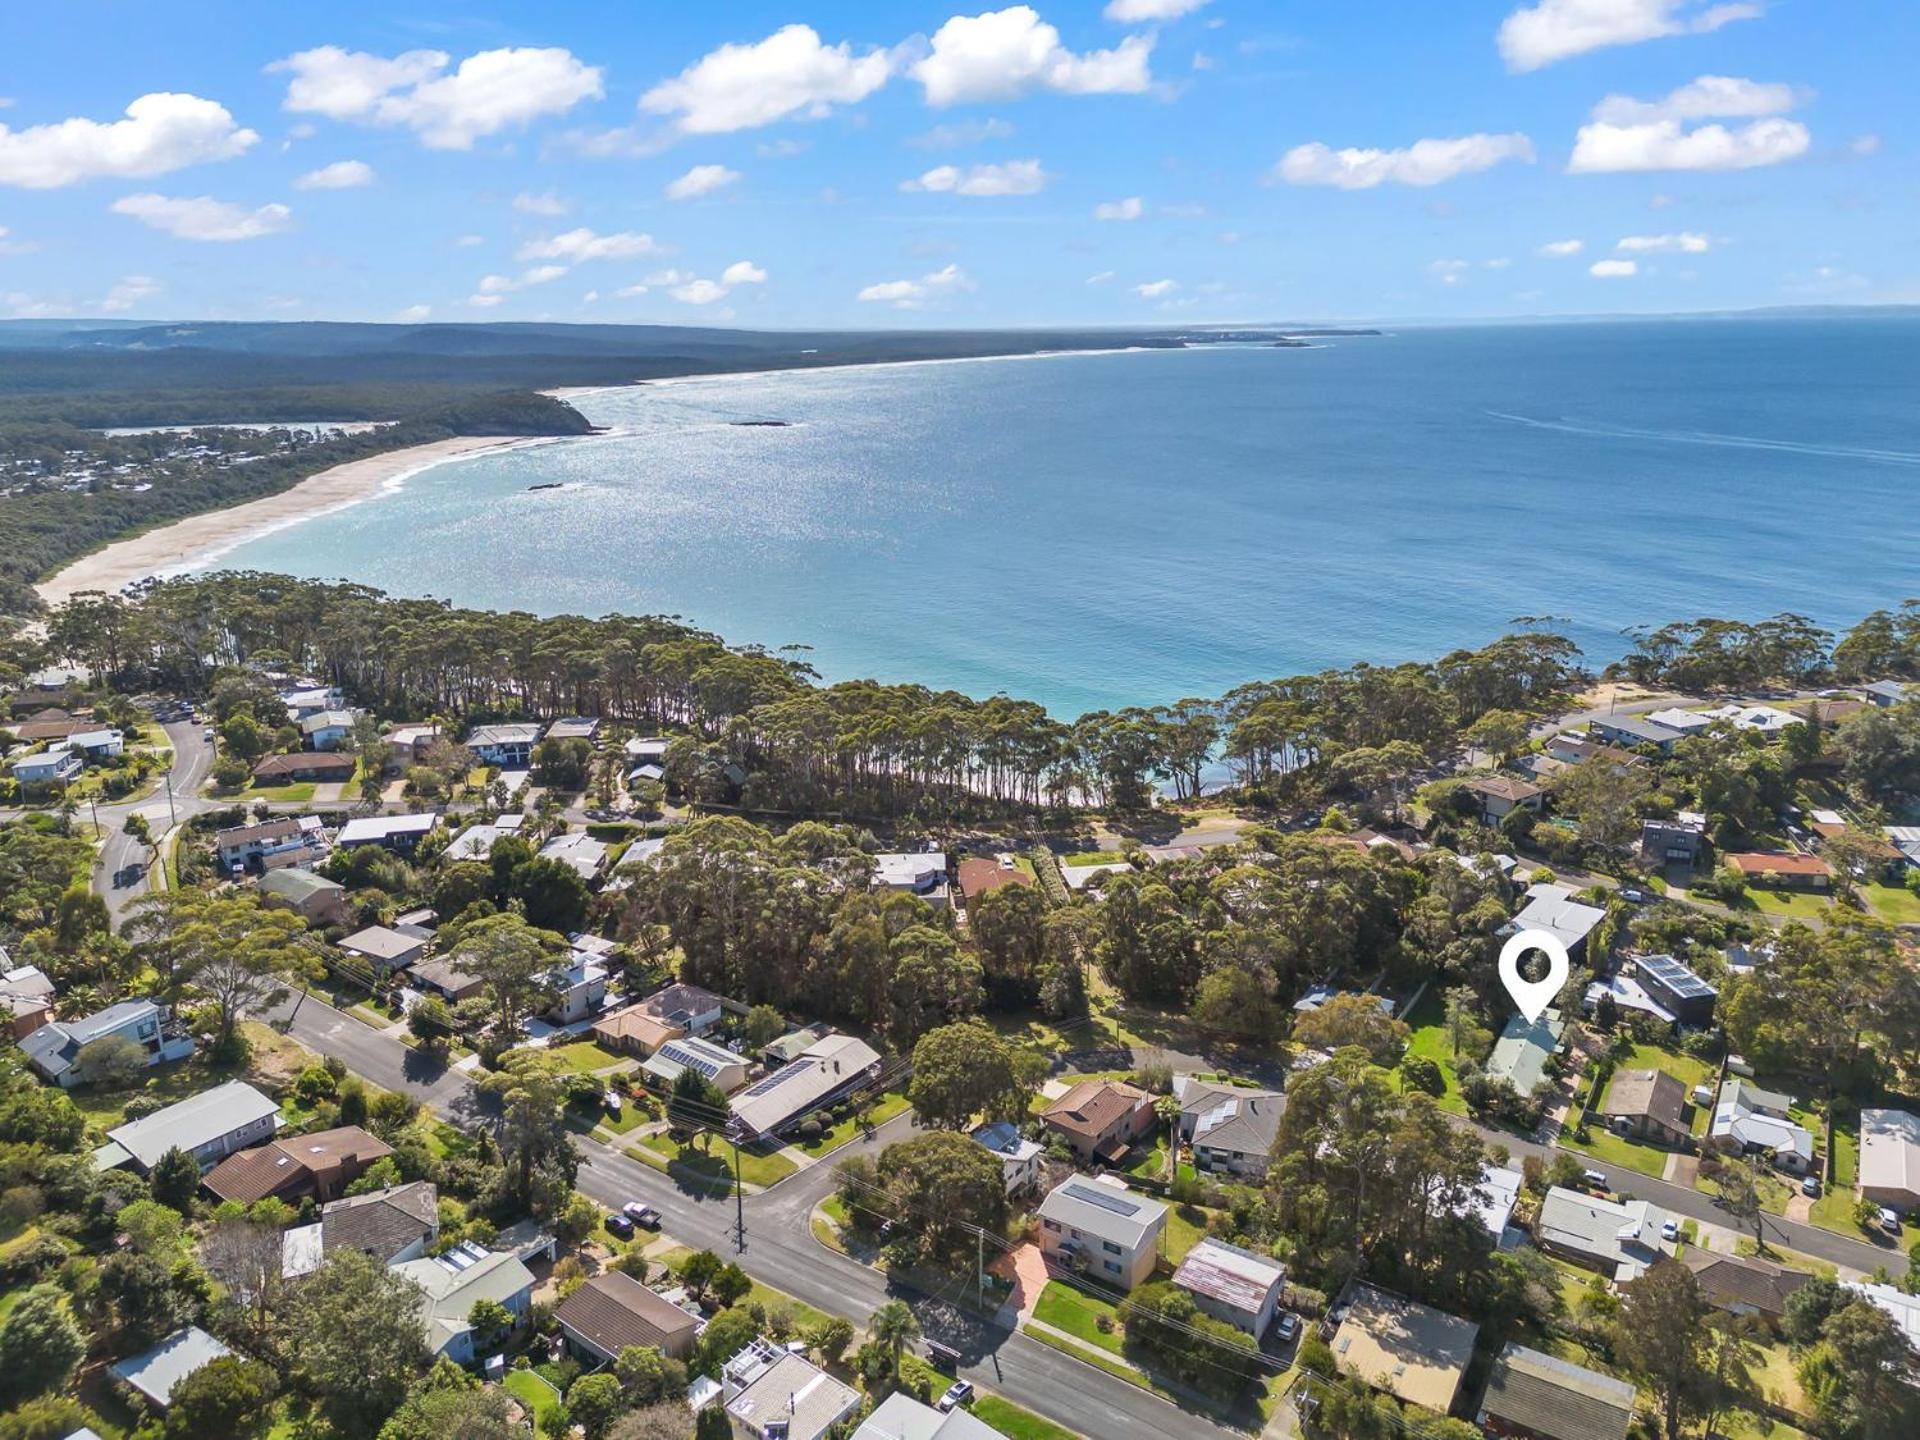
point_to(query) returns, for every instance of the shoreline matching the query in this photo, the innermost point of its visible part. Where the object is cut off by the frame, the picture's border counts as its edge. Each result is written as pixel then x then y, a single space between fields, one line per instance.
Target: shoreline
pixel 192 541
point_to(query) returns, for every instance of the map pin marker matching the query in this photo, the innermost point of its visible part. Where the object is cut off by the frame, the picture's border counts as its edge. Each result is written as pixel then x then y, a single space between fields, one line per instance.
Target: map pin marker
pixel 1533 996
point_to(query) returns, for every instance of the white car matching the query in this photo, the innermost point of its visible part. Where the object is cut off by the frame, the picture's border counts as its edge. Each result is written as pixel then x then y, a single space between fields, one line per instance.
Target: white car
pixel 1670 1230
pixel 957 1394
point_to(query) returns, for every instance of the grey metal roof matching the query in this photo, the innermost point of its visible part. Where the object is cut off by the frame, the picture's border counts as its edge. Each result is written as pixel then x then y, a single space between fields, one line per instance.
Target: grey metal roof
pixel 1556 1399
pixel 155 1373
pixel 198 1120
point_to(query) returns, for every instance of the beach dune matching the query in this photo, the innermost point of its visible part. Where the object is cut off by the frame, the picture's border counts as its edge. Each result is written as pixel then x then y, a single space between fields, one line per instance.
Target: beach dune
pixel 182 544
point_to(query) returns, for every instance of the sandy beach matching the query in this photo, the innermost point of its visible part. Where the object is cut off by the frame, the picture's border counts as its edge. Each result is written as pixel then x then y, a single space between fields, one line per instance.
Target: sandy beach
pixel 175 547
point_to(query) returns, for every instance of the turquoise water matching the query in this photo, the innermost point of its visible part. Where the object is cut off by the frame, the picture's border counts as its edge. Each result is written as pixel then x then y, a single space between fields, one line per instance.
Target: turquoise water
pixel 1112 529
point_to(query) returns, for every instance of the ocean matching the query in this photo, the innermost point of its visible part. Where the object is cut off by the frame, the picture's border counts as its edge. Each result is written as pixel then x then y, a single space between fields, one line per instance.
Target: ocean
pixel 1101 530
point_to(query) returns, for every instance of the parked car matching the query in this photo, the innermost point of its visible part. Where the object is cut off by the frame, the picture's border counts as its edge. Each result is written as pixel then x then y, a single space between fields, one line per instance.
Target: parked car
pixel 1596 1179
pixel 958 1393
pixel 207 733
pixel 645 1216
pixel 1636 897
pixel 1889 1220
pixel 1287 1326
pixel 1810 1186
pixel 1670 1230
pixel 620 1225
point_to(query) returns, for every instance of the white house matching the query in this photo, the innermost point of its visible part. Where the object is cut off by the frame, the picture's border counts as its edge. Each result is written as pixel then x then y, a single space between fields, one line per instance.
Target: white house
pixel 1757 1121
pixel 579 852
pixel 97 744
pixel 54 1049
pixel 1552 908
pixel 311 700
pixel 399 833
pixel 1019 1157
pixel 1100 1228
pixel 1232 1284
pixel 452 1282
pixel 769 1393
pixel 919 872
pixel 578 988
pixel 508 746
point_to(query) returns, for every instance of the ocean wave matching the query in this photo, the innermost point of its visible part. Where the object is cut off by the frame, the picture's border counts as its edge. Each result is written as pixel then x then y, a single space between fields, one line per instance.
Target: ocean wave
pixel 1708 437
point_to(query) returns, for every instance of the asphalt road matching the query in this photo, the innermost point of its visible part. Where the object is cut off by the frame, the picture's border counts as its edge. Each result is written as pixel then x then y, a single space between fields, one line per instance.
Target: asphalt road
pixel 781 1250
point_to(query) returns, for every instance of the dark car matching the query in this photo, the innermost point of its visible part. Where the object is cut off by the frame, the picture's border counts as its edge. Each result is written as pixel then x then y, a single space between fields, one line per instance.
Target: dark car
pixel 620 1225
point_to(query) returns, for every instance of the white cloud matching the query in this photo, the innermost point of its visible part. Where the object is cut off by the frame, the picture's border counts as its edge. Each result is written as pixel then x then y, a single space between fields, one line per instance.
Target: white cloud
pixel 1145 12
pixel 1103 278
pixel 467 242
pixel 493 288
pixel 789 75
pixel 575 246
pixel 1613 269
pixel 1709 97
pixel 1602 149
pixel 1551 30
pixel 1561 249
pixel 1499 262
pixel 963 132
pixel 1865 145
pixel 743 272
pixel 129 292
pixel 550 203
pixel 340 175
pixel 699 292
pixel 1687 242
pixel 202 217
pixel 1015 177
pixel 701 180
pixel 484 300
pixel 488 92
pixel 1130 208
pixel 1154 289
pixel 413 315
pixel 782 149
pixel 630 292
pixel 913 294
pixel 1007 53
pixel 1425 162
pixel 1448 272
pixel 669 277
pixel 161 132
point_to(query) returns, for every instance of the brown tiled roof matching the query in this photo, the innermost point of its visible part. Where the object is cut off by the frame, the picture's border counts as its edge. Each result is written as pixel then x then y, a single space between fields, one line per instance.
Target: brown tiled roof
pixel 273 1168
pixel 306 762
pixel 1505 787
pixel 1777 862
pixel 978 876
pixel 613 1310
pixel 382 1223
pixel 1729 1280
pixel 50 729
pixel 1651 1093
pixel 1090 1107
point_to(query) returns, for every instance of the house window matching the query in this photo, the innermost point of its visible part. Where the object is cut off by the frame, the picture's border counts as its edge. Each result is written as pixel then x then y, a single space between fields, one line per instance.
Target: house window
pixel 1110 1247
pixel 1112 1269
pixel 1053 1225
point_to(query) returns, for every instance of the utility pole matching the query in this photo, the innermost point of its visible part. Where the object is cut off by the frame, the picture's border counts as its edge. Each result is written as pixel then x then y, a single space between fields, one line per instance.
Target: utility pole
pixel 172 819
pixel 739 1227
pixel 980 1264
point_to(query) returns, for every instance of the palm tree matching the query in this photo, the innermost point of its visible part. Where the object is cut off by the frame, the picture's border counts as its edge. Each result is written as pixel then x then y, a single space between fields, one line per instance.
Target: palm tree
pixel 894 1326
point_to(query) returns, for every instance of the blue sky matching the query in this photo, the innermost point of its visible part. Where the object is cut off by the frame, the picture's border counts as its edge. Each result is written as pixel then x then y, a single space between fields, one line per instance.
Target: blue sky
pixel 1096 162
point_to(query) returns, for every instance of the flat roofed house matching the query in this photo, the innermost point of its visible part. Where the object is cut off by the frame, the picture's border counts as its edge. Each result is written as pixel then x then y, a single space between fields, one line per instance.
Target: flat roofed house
pixel 832 1066
pixel 772 1394
pixel 1413 1352
pixel 1019 1157
pixel 1101 1119
pixel 401 834
pixel 1648 1103
pixel 156 1373
pixel 719 1064
pixel 1619 1238
pixel 1679 840
pixel 613 1311
pixel 1231 1129
pixel 1102 1229
pixel 1233 1284
pixel 322 1164
pixel 1681 992
pixel 385 949
pixel 574 727
pixel 209 1126
pixel 1533 1396
pixel 1890 1158
pixel 578 988
pixel 53 1050
pixel 1521 1053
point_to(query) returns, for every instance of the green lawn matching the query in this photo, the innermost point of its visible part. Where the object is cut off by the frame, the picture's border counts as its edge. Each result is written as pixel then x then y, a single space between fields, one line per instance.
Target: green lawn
pixel 1186 1227
pixel 583 1056
pixel 1009 1419
pixel 1684 1068
pixel 715 1170
pixel 883 1110
pixel 1429 1041
pixel 1834 1209
pixel 1798 905
pixel 536 1394
pixel 1893 903
pixel 287 794
pixel 1611 1149
pixel 1079 1315
pixel 1093 857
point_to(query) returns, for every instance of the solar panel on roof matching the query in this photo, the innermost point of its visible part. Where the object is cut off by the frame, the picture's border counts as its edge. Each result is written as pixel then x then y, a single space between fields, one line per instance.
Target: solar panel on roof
pixel 1106 1199
pixel 1675 976
pixel 777 1079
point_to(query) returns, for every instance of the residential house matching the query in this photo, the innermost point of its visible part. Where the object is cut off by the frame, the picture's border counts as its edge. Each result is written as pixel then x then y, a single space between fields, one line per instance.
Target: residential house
pixel 445 979
pixel 921 872
pixel 1650 1104
pixel 327 729
pixel 719 1064
pixel 1413 1352
pixel 1782 869
pixel 26 995
pixel 579 852
pixel 450 1284
pixel 792 1045
pixel 1020 1158
pixel 1492 1203
pixel 1756 1122
pixel 407 746
pixel 322 1165
pixel 769 1393
pixel 647 750
pixel 613 1311
pixel 1906 839
pixel 312 700
pixel 1884 693
pixel 49 767
pixel 901 1417
pixel 667 1014
pixel 156 1373
pixel 1233 1284
pixel 476 841
pixel 508 746
pixel 578 988
pixel 1535 1396
pixel 97 745
pixel 978 875
pixel 54 1049
pixel 1627 993
pixel 1619 1238
pixel 1767 719
pixel 574 727
pixel 1231 1129
pixel 394 1225
pixel 1680 840
pixel 245 847
pixel 1631 730
pixel 401 834
pixel 209 1126
pixel 1571 749
pixel 314 898
pixel 1501 795
pixel 1682 722
pixel 1680 992
pixel 832 1066
pixel 1101 1119
pixel 1319 995
pixel 1890 1159
pixel 386 950
pixel 1100 1228
pixel 1525 1046
pixel 1080 877
pixel 328 766
pixel 1552 908
pixel 1742 1285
